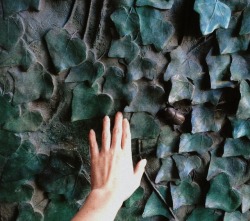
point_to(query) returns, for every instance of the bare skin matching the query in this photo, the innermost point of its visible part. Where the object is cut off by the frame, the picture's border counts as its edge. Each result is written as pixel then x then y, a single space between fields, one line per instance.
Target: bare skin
pixel 113 177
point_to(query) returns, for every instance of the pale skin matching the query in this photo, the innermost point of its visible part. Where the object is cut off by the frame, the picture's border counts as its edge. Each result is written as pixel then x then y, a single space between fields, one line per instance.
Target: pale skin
pixel 113 177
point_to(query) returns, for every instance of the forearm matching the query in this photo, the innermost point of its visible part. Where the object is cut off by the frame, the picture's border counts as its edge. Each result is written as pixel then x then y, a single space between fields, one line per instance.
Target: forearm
pixel 100 205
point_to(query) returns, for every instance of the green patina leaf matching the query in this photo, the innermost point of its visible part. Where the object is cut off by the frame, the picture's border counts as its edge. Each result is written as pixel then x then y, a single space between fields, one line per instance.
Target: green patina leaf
pixel 245 25
pixel 116 86
pixel 161 4
pixel 167 142
pixel 26 213
pixel 243 111
pixel 87 103
pixel 143 126
pixel 244 191
pixel 124 48
pixel 221 195
pixel 186 193
pixel 204 214
pixel 199 143
pixel 206 119
pixel 65 51
pixel 154 29
pixel 149 98
pixel 136 196
pixel 126 21
pixel 241 127
pixel 213 14
pixel 236 216
pixel 236 147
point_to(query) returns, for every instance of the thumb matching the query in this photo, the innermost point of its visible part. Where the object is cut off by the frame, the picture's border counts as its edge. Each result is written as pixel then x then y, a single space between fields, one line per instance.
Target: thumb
pixel 139 170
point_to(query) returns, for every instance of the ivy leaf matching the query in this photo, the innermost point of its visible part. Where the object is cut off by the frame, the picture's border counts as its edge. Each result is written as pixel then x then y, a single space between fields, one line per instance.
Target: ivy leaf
pixel 206 119
pixel 124 48
pixel 65 51
pixel 11 31
pixel 229 41
pixel 137 195
pixel 236 216
pixel 167 142
pixel 116 86
pixel 228 199
pixel 236 147
pixel 143 126
pixel 23 164
pixel 241 127
pixel 149 98
pixel 63 175
pixel 244 191
pixel 243 111
pixel 181 89
pixel 204 214
pixel 186 193
pixel 213 14
pixel 126 21
pixel 90 70
pixel 219 70
pixel 31 85
pixel 245 27
pixel 236 5
pixel 154 29
pixel 161 4
pixel 26 213
pixel 128 214
pixel 87 103
pixel 199 142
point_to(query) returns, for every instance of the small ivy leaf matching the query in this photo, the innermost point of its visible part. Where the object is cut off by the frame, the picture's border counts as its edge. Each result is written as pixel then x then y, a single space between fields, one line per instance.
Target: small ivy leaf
pixel 213 14
pixel 63 175
pixel 9 142
pixel 243 111
pixel 244 191
pixel 10 7
pixel 200 143
pixel 228 199
pixel 31 85
pixel 241 127
pixel 154 28
pixel 160 4
pixel 12 30
pixel 143 126
pixel 126 21
pixel 167 142
pixel 26 213
pixel 236 216
pixel 136 196
pixel 124 48
pixel 182 64
pixel 181 89
pixel 23 164
pixel 149 98
pixel 65 51
pixel 141 67
pixel 240 67
pixel 236 5
pixel 236 147
pixel 87 103
pixel 219 70
pixel 206 119
pixel 155 206
pixel 186 193
pixel 245 25
pixel 20 55
pixel 228 41
pixel 204 214
pixel 116 86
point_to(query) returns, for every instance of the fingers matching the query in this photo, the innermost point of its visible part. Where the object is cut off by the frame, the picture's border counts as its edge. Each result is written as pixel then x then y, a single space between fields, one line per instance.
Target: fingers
pixel 126 135
pixel 93 144
pixel 106 137
pixel 117 131
pixel 139 170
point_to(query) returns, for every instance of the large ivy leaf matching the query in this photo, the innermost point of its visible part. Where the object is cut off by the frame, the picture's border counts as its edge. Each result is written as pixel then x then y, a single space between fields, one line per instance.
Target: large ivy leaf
pixel 26 213
pixel 65 51
pixel 63 175
pixel 204 214
pixel 243 110
pixel 143 126
pixel 31 85
pixel 245 25
pixel 126 21
pixel 87 103
pixel 213 14
pixel 154 29
pixel 206 119
pixel 244 191
pixel 149 98
pixel 199 142
pixel 236 216
pixel 167 142
pixel 221 195
pixel 23 164
pixel 124 48
pixel 128 214
pixel 136 196
pixel 161 4
pixel 236 147
pixel 117 87
pixel 241 127
pixel 186 193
